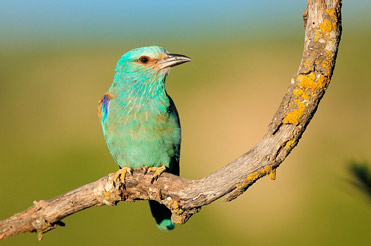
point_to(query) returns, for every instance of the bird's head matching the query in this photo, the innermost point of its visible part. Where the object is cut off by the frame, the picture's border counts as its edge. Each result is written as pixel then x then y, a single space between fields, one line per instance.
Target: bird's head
pixel 147 64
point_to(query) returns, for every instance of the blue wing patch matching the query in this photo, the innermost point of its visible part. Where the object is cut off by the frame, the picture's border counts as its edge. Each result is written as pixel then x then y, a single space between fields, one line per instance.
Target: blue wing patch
pixel 103 107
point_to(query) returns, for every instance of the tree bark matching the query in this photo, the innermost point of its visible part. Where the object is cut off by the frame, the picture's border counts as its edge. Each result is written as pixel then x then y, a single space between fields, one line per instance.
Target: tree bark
pixel 322 22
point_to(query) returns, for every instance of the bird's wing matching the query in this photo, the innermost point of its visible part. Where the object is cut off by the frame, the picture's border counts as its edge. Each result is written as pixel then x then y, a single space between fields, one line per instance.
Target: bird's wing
pixel 100 102
pixel 103 106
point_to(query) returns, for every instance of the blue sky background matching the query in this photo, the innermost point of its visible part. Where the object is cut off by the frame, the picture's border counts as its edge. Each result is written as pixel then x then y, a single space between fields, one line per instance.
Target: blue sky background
pixel 31 22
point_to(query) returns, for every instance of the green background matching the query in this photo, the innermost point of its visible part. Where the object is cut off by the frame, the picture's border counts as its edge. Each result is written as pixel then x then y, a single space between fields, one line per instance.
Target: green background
pixel 56 64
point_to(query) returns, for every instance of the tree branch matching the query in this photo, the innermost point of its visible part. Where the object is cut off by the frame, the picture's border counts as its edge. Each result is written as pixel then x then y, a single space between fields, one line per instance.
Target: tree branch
pixel 322 22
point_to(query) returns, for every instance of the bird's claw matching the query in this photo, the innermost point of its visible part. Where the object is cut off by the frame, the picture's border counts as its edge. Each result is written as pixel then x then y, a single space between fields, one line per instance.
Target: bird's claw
pixel 144 169
pixel 121 174
pixel 158 171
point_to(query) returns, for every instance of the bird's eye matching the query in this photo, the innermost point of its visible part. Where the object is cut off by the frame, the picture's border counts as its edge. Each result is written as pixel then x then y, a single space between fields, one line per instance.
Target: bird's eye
pixel 144 59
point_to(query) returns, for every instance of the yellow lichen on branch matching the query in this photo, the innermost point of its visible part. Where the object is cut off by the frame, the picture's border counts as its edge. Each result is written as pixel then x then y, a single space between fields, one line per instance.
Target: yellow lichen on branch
pixel 250 179
pixel 325 26
pixel 308 85
pixel 289 143
pixel 300 93
pixel 294 116
pixel 272 175
pixel 333 17
pixel 307 82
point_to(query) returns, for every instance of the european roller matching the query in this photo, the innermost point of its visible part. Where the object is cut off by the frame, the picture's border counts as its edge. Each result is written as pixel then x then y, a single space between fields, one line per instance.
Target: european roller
pixel 139 119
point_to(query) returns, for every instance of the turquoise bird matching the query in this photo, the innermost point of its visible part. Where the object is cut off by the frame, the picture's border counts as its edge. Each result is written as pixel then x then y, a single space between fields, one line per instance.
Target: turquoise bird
pixel 140 121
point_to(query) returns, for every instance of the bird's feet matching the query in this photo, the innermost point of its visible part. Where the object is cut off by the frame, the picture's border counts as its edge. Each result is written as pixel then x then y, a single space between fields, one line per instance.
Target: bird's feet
pixel 143 169
pixel 158 171
pixel 121 174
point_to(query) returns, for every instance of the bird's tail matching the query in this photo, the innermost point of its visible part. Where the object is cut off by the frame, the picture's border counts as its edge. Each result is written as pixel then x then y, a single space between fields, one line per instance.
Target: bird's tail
pixel 162 216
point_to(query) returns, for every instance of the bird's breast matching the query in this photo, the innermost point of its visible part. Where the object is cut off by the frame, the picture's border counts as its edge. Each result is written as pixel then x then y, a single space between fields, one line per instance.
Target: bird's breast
pixel 142 136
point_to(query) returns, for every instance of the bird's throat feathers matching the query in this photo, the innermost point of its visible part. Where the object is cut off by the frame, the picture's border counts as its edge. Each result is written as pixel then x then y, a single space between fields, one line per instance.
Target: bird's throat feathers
pixel 140 90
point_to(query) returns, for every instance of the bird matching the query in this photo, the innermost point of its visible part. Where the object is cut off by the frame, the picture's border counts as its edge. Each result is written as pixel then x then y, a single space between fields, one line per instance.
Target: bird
pixel 140 121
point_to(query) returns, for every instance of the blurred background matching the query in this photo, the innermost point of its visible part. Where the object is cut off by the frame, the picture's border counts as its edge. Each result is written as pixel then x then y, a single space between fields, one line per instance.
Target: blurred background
pixel 57 59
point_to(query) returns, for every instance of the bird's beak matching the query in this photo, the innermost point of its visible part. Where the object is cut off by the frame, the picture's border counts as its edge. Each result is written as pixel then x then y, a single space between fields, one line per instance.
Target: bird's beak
pixel 172 60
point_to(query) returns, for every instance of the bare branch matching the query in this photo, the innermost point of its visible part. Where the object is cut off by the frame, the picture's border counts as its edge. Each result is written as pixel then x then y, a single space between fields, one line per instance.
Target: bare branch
pixel 322 20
